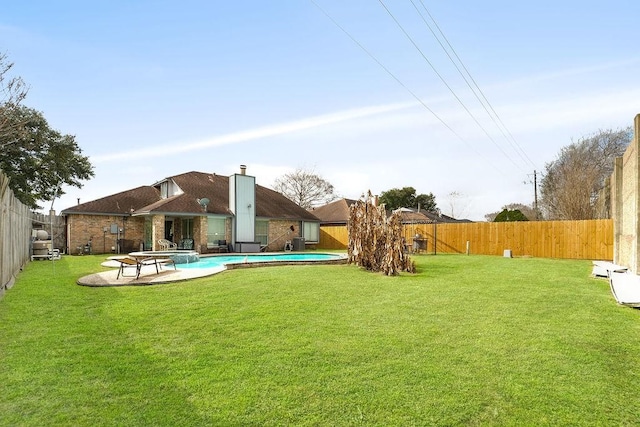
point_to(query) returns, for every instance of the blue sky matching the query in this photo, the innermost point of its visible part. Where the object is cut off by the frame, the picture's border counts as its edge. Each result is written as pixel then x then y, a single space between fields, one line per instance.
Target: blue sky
pixel 154 89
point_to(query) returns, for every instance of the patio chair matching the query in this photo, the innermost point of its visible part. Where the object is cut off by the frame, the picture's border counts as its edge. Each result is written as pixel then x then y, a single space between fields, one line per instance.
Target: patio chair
pixel 186 244
pixel 222 246
pixel 166 245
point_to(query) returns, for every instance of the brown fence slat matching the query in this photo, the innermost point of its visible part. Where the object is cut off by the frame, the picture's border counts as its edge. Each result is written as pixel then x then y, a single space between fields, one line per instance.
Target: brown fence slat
pixel 15 232
pixel 588 239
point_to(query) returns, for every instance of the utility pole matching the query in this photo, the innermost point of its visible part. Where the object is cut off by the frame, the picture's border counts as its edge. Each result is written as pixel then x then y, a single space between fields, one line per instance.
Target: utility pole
pixel 535 193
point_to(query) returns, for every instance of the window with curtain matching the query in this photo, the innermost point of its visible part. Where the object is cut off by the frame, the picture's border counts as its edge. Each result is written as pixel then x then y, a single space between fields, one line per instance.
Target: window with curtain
pixel 215 230
pixel 187 228
pixel 311 232
pixel 164 190
pixel 262 232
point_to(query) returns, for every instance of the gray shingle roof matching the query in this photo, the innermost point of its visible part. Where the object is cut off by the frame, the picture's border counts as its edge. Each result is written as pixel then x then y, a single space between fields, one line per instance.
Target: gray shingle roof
pixel 119 203
pixel 336 212
pixel 195 185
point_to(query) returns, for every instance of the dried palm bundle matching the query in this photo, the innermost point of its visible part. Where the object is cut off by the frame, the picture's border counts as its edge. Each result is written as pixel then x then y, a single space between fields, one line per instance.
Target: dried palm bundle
pixel 375 241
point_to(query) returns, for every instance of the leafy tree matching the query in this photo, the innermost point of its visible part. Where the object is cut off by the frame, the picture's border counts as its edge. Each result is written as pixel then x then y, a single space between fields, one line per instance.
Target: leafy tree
pixel 38 160
pixel 305 187
pixel 570 186
pixel 508 215
pixel 406 197
pixel 12 91
pixel 527 211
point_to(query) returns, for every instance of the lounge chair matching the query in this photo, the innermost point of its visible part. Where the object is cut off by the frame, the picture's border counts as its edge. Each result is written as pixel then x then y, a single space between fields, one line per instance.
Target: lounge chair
pixel 139 263
pixel 167 245
pixel 605 268
pixel 625 288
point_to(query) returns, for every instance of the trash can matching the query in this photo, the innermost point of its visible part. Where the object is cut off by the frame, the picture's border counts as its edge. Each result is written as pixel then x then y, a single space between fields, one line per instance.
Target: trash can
pixel 298 243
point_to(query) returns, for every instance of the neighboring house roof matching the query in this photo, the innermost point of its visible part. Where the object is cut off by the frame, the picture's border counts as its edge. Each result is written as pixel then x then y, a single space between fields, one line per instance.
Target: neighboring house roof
pixel 336 212
pixel 440 218
pixel 193 186
pixel 410 216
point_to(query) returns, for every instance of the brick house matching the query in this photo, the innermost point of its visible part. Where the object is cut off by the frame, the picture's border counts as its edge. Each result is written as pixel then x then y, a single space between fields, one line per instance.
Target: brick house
pixel 203 211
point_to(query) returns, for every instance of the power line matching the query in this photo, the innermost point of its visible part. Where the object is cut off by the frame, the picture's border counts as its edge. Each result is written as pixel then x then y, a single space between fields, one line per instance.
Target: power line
pixel 495 117
pixel 447 85
pixel 364 49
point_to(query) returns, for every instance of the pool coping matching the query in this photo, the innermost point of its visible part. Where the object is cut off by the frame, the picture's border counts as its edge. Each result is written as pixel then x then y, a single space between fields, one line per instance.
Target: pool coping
pixel 148 275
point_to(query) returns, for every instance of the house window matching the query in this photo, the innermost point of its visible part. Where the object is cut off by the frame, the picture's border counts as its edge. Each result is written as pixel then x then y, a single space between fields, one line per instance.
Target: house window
pixel 262 232
pixel 164 190
pixel 148 233
pixel 215 230
pixel 187 228
pixel 311 232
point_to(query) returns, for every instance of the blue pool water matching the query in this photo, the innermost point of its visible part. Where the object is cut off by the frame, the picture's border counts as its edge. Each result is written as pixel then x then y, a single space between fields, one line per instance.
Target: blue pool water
pixel 218 261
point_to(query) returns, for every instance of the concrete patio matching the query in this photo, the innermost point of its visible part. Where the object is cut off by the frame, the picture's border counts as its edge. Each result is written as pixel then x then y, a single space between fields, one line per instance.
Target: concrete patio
pixel 148 275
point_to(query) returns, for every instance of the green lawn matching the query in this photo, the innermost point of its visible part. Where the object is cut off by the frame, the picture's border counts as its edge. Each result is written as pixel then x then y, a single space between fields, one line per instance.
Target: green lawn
pixel 468 340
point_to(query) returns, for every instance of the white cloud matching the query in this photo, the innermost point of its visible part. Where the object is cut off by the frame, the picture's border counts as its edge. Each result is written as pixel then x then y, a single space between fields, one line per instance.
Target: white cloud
pixel 258 133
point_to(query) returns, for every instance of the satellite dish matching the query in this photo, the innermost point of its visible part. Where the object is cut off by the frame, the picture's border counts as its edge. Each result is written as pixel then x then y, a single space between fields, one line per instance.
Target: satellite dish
pixel 203 202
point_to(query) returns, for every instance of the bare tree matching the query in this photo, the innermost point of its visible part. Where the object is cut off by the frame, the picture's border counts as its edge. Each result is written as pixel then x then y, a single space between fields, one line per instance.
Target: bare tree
pixel 458 204
pixel 572 182
pixel 305 187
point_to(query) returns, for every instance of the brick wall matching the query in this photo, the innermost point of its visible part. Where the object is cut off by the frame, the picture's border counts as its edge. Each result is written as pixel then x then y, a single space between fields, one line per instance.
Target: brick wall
pixel 83 229
pixel 280 232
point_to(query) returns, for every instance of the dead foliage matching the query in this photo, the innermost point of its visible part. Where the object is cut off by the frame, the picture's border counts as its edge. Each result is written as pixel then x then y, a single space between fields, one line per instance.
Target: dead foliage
pixel 375 241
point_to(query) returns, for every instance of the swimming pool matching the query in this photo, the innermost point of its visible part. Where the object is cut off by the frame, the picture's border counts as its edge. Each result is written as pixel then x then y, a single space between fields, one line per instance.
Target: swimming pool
pixel 285 258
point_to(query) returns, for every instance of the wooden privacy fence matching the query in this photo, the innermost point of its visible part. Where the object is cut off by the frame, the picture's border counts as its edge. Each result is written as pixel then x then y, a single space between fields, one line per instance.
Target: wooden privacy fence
pixel 589 239
pixel 15 232
pixel 333 237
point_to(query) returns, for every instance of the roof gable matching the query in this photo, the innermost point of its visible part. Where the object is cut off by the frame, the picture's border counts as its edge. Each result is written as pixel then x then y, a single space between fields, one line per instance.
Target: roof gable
pixel 271 204
pixel 194 186
pixel 118 204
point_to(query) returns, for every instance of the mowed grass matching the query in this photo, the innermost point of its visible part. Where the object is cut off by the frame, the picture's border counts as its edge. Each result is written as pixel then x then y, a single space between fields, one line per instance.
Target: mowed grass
pixel 468 340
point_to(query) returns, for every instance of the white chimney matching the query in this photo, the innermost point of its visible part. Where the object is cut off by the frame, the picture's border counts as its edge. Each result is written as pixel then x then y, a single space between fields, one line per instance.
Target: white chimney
pixel 243 169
